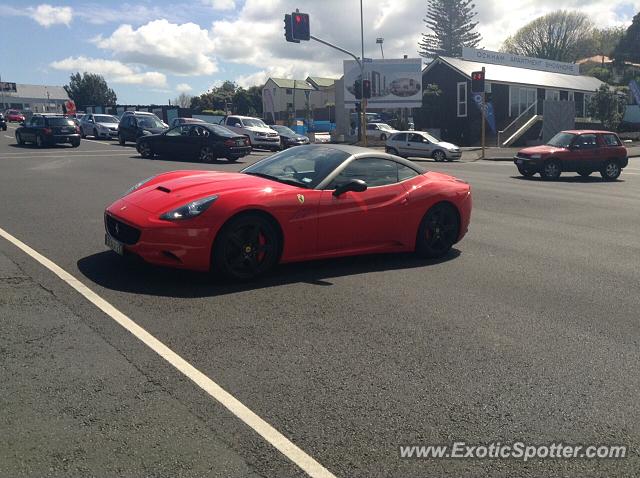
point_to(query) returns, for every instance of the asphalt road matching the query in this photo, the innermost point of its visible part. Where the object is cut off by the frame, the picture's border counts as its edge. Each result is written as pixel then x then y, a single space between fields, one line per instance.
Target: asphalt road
pixel 527 332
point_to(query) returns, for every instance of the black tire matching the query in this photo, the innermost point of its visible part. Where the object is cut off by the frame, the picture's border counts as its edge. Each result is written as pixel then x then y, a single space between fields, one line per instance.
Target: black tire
pixel 438 231
pixel 39 141
pixel 246 247
pixel 121 140
pixel 232 159
pixel 206 154
pixel 550 170
pixel 383 137
pixel 527 173
pixel 145 150
pixel 439 155
pixel 75 143
pixel 610 170
pixel 19 139
pixel 584 173
pixel 393 151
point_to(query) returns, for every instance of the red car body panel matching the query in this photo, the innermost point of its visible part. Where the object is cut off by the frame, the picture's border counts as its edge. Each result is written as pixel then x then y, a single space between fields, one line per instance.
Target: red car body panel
pixel 314 223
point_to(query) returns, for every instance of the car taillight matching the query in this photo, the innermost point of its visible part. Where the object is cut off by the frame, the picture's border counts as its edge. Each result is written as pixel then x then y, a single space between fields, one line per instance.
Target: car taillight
pixel 47 131
pixel 230 142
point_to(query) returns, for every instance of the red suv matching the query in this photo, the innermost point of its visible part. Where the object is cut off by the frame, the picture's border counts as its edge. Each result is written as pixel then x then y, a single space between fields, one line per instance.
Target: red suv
pixel 14 115
pixel 582 152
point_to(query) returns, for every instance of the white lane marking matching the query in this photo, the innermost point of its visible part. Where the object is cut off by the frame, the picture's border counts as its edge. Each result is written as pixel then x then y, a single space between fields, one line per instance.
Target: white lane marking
pixel 266 431
pixel 96 141
pixel 45 154
pixel 7 136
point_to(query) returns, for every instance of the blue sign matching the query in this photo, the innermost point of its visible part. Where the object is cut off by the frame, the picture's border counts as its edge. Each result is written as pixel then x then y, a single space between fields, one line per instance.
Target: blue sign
pixel 487 110
pixel 635 90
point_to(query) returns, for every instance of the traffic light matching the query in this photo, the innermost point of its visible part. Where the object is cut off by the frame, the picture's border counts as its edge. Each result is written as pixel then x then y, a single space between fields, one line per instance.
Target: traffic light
pixel 366 86
pixel 357 89
pixel 288 29
pixel 477 82
pixel 300 26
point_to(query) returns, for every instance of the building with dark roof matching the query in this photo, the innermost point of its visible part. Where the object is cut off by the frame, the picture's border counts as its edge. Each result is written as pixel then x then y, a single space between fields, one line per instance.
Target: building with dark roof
pixel 517 88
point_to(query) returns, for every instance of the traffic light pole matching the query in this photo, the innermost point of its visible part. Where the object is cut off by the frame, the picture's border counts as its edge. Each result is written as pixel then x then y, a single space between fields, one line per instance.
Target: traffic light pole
pixel 483 114
pixel 363 103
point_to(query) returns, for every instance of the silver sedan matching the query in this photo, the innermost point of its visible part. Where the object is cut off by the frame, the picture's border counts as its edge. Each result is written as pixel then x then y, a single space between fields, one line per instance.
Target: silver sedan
pixel 419 144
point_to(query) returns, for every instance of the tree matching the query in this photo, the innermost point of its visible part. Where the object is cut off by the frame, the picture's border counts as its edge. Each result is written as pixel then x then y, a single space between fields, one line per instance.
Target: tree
pixel 628 49
pixel 608 107
pixel 561 36
pixel 606 40
pixel 429 115
pixel 451 27
pixel 90 89
pixel 216 98
pixel 183 100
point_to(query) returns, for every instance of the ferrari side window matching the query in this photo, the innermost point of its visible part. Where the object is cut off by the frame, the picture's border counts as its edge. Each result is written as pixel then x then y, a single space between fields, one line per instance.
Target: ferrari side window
pixel 373 171
pixel 405 172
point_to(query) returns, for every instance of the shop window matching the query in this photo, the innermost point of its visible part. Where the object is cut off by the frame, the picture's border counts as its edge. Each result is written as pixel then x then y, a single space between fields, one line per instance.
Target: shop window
pixel 520 99
pixel 462 100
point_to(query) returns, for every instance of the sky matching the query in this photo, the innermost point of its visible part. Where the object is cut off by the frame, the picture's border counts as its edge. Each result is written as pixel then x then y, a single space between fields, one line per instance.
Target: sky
pixel 151 51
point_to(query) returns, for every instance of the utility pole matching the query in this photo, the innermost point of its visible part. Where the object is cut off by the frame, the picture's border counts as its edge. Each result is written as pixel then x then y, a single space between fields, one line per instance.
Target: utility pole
pixel 483 115
pixel 363 109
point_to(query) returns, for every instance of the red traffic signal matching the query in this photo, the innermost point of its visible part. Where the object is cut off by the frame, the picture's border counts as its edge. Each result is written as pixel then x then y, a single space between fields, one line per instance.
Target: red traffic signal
pixel 300 28
pixel 477 82
pixel 288 29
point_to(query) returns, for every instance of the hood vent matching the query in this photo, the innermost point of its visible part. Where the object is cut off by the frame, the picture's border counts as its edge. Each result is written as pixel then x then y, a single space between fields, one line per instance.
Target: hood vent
pixel 163 189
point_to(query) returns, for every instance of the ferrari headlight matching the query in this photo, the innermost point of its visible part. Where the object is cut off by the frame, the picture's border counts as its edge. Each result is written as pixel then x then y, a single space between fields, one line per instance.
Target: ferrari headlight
pixel 190 210
pixel 138 186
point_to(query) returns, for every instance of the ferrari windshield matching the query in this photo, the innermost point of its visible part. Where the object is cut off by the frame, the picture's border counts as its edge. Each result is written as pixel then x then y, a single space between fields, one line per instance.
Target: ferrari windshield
pixel 562 140
pixel 303 166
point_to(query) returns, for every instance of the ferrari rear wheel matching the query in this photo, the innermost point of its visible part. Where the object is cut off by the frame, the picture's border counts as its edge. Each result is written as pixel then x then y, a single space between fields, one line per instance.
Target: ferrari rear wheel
pixel 246 247
pixel 438 231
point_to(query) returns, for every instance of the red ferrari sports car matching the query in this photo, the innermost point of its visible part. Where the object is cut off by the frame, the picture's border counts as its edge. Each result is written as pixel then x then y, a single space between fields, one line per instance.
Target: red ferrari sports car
pixel 308 202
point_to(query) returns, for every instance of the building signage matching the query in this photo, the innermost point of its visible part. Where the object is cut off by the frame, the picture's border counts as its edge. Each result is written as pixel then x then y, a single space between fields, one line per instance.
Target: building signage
pixel 8 87
pixel 508 59
pixel 394 83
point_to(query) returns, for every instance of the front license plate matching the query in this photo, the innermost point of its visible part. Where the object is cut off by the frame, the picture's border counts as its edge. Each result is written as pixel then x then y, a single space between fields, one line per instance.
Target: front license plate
pixel 518 161
pixel 114 245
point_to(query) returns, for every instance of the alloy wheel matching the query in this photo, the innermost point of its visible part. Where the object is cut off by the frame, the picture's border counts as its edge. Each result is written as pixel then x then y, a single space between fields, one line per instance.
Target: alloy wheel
pixel 206 154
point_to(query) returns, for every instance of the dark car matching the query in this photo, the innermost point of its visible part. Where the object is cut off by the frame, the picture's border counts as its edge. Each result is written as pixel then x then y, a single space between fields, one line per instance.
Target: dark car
pixel 204 142
pixel 179 121
pixel 136 124
pixel 48 129
pixel 579 151
pixel 3 122
pixel 288 137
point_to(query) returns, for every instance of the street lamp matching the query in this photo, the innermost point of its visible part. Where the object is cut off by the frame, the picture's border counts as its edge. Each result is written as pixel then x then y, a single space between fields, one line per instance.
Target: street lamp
pixel 380 41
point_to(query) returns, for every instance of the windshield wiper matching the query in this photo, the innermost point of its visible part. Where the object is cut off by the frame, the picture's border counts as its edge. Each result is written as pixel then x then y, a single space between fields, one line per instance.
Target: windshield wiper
pixel 291 182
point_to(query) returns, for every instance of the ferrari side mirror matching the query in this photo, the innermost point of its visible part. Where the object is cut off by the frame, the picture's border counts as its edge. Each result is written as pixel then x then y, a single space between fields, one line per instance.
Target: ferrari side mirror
pixel 355 185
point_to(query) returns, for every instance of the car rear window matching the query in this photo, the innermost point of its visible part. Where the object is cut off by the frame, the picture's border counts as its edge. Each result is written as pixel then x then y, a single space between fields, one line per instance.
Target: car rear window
pixel 60 122
pixel 611 140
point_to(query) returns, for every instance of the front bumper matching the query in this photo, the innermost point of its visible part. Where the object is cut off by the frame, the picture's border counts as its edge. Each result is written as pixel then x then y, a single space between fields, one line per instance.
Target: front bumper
pixel 454 154
pixel 527 163
pixel 267 142
pixel 173 244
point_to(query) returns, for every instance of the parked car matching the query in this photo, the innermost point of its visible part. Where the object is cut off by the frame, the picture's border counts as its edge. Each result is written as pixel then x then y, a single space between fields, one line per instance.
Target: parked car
pixel 3 122
pixel 420 144
pixel 260 135
pixel 304 203
pixel 48 129
pixel 14 116
pixel 99 126
pixel 179 121
pixel 288 137
pixel 579 151
pixel 135 124
pixel 321 138
pixel 379 131
pixel 205 142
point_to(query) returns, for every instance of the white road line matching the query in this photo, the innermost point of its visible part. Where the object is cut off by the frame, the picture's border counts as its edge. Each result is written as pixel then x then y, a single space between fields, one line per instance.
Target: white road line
pixel 7 136
pixel 96 141
pixel 261 427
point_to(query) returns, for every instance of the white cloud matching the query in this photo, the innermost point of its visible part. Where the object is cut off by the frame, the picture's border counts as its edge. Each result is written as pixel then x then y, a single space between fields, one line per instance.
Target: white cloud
pixel 46 15
pixel 183 49
pixel 113 71
pixel 183 88
pixel 221 4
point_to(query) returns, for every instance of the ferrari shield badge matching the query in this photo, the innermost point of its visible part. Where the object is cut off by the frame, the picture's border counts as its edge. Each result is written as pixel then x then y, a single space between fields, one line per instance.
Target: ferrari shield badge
pixel 300 198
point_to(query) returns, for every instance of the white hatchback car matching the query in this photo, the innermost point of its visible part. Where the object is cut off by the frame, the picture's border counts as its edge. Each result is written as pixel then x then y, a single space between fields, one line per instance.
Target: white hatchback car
pixel 379 131
pixel 419 144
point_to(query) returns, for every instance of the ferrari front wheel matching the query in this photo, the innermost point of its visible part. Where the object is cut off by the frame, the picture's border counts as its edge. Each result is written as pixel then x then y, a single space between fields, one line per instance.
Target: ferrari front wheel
pixel 438 231
pixel 246 247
